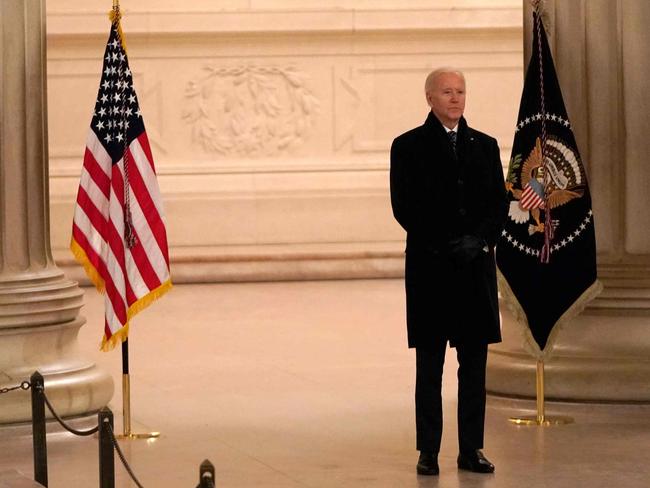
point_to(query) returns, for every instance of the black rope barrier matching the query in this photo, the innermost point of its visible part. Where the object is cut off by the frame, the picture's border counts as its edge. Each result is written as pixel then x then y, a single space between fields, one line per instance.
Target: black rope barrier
pixel 25 385
pixel 82 433
pixel 107 441
pixel 116 445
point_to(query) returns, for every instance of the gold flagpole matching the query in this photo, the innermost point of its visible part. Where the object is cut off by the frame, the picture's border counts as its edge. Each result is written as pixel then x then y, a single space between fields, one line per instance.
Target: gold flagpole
pixel 127 433
pixel 541 418
pixel 126 402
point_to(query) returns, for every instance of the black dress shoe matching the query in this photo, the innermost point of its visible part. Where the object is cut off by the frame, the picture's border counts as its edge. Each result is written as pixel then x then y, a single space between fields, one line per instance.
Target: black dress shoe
pixel 475 461
pixel 428 464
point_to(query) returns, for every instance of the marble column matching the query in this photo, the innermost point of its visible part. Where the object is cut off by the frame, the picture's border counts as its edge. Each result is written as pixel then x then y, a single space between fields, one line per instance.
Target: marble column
pixel 602 52
pixel 39 307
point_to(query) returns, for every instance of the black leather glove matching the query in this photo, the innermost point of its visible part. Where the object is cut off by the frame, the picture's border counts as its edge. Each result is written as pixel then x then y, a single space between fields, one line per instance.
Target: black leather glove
pixel 464 250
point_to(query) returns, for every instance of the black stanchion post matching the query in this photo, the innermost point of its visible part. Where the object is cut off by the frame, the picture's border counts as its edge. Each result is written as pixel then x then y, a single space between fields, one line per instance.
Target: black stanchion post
pixel 206 475
pixel 38 428
pixel 106 454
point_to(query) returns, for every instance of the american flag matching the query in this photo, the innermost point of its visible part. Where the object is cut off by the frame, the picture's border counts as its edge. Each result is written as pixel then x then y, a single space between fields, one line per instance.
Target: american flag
pixel 118 233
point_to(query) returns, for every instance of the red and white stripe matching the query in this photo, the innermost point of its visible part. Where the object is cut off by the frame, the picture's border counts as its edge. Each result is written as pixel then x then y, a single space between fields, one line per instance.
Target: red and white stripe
pixel 131 277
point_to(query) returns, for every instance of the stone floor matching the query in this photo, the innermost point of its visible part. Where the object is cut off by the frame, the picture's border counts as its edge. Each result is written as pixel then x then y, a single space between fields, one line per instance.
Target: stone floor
pixel 310 384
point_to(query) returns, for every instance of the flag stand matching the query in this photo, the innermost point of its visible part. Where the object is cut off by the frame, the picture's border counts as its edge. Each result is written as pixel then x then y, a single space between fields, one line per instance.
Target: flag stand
pixel 541 418
pixel 127 433
pixel 126 400
pixel 118 136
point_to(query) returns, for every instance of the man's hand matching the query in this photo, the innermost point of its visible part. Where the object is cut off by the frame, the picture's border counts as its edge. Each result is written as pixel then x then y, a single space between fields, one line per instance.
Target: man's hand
pixel 464 249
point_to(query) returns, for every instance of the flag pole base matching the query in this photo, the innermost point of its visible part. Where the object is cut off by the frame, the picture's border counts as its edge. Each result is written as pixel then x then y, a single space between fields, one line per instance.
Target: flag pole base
pixel 126 406
pixel 133 436
pixel 541 418
pixel 544 422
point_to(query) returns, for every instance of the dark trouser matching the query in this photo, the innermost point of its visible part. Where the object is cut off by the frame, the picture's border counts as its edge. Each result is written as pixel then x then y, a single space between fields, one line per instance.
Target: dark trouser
pixel 472 359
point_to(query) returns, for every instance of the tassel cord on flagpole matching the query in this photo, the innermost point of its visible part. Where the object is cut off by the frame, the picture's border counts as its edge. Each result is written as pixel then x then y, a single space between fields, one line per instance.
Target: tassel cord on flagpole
pixel 130 238
pixel 545 255
pixel 115 14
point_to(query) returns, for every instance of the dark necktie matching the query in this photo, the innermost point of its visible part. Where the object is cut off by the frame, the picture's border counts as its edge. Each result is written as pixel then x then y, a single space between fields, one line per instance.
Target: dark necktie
pixel 452 139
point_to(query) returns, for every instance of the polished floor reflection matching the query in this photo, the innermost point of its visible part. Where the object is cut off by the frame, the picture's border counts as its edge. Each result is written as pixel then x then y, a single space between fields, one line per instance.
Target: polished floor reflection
pixel 310 384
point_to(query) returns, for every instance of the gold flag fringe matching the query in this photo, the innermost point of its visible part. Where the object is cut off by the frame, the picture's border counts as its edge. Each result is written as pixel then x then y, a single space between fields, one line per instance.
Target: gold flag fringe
pixel 529 343
pixel 121 335
pixel 148 299
pixel 81 256
pixel 117 338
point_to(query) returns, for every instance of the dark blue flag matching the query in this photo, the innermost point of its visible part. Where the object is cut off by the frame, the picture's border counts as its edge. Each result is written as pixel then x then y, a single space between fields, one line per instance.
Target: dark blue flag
pixel 547 250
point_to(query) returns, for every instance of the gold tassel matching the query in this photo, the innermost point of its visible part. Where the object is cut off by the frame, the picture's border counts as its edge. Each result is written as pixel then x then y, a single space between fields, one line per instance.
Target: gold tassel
pixel 115 15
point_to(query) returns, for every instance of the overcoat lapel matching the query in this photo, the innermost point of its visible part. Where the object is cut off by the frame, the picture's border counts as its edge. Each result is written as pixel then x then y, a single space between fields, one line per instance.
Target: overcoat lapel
pixel 441 160
pixel 463 144
pixel 442 144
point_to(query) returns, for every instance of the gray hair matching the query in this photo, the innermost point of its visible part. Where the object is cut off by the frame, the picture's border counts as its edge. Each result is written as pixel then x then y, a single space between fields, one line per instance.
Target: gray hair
pixel 428 84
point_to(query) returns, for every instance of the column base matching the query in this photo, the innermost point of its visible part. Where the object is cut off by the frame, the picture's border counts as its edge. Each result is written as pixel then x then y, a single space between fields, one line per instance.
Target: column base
pixel 74 386
pixel 603 355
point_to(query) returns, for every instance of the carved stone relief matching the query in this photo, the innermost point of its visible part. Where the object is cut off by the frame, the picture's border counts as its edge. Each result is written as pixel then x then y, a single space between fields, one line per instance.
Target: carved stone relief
pixel 250 110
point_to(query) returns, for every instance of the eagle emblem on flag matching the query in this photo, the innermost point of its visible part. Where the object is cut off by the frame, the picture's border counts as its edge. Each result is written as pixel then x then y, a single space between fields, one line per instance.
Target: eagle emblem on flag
pixel 562 177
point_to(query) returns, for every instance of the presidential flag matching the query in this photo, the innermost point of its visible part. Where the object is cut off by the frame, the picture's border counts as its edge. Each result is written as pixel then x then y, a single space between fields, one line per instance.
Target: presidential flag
pixel 547 251
pixel 118 233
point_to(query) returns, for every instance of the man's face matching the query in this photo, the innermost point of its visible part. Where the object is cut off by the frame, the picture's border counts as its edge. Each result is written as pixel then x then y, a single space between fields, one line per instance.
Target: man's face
pixel 446 97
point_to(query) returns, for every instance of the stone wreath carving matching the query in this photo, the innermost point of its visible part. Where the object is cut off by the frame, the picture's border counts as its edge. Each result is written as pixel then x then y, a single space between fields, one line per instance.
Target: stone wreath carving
pixel 252 111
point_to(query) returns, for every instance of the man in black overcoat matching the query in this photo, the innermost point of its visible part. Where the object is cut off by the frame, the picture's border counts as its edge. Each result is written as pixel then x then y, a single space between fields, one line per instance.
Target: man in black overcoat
pixel 448 194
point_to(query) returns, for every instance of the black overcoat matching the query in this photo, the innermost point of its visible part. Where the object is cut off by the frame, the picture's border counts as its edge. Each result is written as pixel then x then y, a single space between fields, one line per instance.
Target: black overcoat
pixel 438 196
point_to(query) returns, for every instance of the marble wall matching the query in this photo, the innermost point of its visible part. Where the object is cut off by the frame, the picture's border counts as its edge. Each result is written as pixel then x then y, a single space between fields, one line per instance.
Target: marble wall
pixel 271 120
